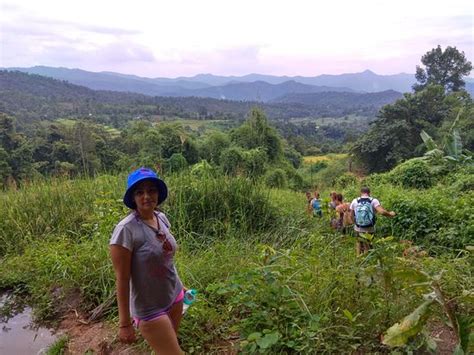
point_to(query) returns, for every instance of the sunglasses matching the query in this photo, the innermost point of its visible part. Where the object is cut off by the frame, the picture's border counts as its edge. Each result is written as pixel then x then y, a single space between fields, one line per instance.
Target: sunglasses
pixel 161 236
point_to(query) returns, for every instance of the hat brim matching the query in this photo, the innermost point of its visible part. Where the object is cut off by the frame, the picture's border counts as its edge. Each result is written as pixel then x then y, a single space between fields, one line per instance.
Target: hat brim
pixel 128 199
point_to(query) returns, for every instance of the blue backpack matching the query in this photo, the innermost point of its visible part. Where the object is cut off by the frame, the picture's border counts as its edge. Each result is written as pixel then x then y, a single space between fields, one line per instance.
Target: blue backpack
pixel 316 204
pixel 364 213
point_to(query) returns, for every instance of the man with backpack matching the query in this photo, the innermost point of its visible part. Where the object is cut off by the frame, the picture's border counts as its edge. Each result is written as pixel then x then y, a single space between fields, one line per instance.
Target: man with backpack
pixel 363 210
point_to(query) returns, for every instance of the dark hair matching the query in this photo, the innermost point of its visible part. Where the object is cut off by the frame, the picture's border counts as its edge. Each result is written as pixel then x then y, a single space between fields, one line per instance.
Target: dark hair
pixel 365 190
pixel 339 197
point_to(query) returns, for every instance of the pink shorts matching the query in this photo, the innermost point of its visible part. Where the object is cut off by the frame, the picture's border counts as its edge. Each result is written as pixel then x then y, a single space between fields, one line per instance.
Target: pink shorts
pixel 157 315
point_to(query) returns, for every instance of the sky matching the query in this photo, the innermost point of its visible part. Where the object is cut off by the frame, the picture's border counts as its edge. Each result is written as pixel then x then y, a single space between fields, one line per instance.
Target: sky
pixel 172 38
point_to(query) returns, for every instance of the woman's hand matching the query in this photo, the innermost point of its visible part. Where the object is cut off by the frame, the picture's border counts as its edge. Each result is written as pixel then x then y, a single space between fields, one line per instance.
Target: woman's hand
pixel 127 334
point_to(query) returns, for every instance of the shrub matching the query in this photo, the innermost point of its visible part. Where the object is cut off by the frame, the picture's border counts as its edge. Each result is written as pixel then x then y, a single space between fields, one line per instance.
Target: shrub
pixel 276 178
pixel 213 206
pixel 414 173
pixel 346 179
pixel 202 169
pixel 232 160
pixel 293 156
pixel 255 161
pixel 318 166
pixel 461 182
pixel 176 163
pixel 295 180
pixel 327 177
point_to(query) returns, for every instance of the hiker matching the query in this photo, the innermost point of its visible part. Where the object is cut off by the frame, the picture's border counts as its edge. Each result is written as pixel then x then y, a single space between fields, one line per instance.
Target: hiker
pixel 344 212
pixel 332 209
pixel 309 208
pixel 363 211
pixel 142 250
pixel 316 205
pixel 332 204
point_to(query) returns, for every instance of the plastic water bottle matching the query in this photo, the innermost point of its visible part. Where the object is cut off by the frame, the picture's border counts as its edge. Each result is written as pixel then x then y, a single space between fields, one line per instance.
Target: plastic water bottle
pixel 189 298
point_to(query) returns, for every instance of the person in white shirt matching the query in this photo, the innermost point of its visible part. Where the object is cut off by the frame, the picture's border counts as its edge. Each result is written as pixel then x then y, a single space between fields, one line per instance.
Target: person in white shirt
pixel 364 209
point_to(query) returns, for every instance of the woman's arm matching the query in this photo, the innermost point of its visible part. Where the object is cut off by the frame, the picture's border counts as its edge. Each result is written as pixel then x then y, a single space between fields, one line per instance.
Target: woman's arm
pixel 121 260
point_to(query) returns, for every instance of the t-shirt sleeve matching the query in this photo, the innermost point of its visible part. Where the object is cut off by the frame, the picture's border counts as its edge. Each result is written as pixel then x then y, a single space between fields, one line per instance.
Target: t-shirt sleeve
pixel 123 237
pixel 165 220
pixel 375 203
pixel 353 205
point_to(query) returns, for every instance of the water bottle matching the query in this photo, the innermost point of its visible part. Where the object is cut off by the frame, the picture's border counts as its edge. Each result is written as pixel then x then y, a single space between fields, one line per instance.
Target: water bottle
pixel 189 298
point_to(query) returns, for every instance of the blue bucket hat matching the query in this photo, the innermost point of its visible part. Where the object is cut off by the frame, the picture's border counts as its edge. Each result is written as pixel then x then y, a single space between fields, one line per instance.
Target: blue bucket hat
pixel 141 175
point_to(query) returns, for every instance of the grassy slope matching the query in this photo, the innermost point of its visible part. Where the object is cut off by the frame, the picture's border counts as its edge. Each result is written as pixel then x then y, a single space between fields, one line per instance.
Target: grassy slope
pixel 282 283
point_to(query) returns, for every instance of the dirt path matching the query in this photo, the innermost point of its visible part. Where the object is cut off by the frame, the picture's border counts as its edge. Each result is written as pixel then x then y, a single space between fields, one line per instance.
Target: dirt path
pixel 98 338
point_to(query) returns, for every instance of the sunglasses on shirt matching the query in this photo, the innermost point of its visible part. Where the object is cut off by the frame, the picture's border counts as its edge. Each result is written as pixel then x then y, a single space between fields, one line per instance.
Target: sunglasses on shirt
pixel 161 236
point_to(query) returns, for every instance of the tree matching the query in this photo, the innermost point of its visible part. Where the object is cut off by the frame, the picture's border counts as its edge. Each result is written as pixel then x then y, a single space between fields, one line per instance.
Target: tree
pixel 445 68
pixel 394 137
pixel 257 133
pixel 213 146
pixel 232 160
pixel 15 151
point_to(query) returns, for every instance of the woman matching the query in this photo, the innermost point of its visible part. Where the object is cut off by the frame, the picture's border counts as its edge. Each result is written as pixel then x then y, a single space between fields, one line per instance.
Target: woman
pixel 344 212
pixel 142 250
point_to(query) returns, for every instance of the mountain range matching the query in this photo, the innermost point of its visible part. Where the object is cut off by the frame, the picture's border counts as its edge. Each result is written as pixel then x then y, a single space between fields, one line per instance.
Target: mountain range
pixel 30 97
pixel 252 87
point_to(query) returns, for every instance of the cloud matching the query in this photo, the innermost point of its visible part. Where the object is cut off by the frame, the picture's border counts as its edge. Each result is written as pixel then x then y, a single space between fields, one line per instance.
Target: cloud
pixel 175 38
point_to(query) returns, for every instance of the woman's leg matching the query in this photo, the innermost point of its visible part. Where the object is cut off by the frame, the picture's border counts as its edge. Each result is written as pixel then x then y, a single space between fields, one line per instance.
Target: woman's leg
pixel 175 314
pixel 160 335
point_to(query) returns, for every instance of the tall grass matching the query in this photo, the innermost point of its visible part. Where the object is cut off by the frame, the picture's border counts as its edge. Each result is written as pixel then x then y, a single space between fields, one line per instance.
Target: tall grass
pixel 264 270
pixel 50 208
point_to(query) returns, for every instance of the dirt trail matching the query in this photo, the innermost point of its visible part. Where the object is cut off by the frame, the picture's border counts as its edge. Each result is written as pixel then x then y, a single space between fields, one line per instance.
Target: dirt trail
pixel 98 338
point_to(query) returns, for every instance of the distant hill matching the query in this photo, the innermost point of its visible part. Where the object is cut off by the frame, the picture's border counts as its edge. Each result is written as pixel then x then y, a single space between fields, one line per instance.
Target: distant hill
pixel 257 91
pixel 114 81
pixel 366 81
pixel 34 97
pixel 377 99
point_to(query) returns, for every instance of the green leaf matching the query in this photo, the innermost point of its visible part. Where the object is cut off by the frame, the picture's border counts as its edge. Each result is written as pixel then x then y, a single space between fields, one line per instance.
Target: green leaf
pixel 268 340
pixel 466 335
pixel 429 142
pixel 348 315
pixel 410 274
pixel 399 333
pixel 254 336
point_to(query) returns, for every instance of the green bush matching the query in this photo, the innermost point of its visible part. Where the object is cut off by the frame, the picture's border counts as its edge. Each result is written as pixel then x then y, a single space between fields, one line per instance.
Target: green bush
pixel 203 169
pixel 295 180
pixel 346 179
pixel 327 176
pixel 461 182
pixel 318 166
pixel 176 163
pixel 414 173
pixel 214 206
pixel 232 160
pixel 255 162
pixel 276 178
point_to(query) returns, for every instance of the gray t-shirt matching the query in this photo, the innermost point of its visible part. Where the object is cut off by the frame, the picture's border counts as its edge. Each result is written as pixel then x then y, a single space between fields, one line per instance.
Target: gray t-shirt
pixel 154 281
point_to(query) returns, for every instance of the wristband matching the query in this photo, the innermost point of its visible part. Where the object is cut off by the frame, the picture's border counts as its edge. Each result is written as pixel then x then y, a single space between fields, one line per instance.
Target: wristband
pixel 125 326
